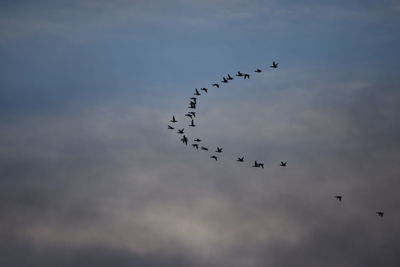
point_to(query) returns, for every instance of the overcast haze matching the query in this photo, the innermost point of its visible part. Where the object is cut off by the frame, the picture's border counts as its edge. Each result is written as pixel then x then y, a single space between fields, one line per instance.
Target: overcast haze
pixel 91 176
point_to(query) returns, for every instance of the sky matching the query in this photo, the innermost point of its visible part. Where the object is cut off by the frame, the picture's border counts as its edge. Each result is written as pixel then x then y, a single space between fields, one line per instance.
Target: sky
pixel 91 176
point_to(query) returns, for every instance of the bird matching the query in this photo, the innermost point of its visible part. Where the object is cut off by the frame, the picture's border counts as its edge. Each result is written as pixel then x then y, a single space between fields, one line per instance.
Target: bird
pixel 204 148
pixel 224 80
pixel 181 131
pixel 214 157
pixel 216 85
pixel 192 124
pixel 256 165
pixel 192 113
pixel 246 76
pixel 195 146
pixel 283 164
pixel 189 115
pixel 240 159
pixel 204 89
pixel 170 127
pixel 230 77
pixel 197 140
pixel 380 213
pixel 338 197
pixel 258 70
pixel 173 119
pixel 194 99
pixel 239 74
pixel 196 92
pixel 274 64
pixel 261 165
pixel 219 149
pixel 184 140
pixel 192 105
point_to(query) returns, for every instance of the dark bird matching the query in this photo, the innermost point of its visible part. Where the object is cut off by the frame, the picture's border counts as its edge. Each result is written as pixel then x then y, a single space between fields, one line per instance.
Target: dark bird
pixel 195 146
pixel 181 131
pixel 283 164
pixel 196 92
pixel 216 85
pixel 224 80
pixel 256 165
pixel 189 115
pixel 204 89
pixel 214 157
pixel 274 64
pixel 261 165
pixel 192 124
pixel 192 105
pixel 257 70
pixel 197 140
pixel 173 119
pixel 170 127
pixel 219 149
pixel 192 113
pixel 194 99
pixel 204 148
pixel 338 197
pixel 230 77
pixel 184 140
pixel 380 213
pixel 239 74
pixel 246 76
pixel 240 159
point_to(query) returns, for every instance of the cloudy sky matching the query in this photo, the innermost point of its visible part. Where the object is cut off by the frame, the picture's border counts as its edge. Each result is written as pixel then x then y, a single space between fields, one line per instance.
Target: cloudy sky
pixel 91 176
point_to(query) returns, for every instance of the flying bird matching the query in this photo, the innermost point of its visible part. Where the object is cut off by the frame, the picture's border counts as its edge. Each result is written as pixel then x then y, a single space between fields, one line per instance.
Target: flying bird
pixel 261 165
pixel 192 113
pixel 240 159
pixel 214 157
pixel 283 164
pixel 239 74
pixel 338 197
pixel 258 70
pixel 274 65
pixel 246 76
pixel 196 92
pixel 170 127
pixel 224 80
pixel 380 213
pixel 204 89
pixel 216 85
pixel 219 149
pixel 197 140
pixel 256 165
pixel 181 131
pixel 173 119
pixel 194 99
pixel 192 124
pixel 230 77
pixel 204 148
pixel 189 115
pixel 195 146
pixel 184 140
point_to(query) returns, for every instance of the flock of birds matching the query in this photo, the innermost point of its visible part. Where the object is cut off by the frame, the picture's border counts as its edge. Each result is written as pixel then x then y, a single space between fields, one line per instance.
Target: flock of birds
pixel 191 114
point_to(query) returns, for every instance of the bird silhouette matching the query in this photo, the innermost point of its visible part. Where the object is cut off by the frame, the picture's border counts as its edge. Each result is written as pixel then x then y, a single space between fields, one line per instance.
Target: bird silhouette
pixel 224 80
pixel 338 197
pixel 274 65
pixel 196 92
pixel 204 148
pixel 246 76
pixel 261 165
pixel 192 124
pixel 192 113
pixel 283 164
pixel 256 165
pixel 380 213
pixel 173 119
pixel 258 70
pixel 230 77
pixel 192 105
pixel 194 99
pixel 197 140
pixel 170 127
pixel 240 159
pixel 195 146
pixel 189 115
pixel 181 131
pixel 184 140
pixel 204 89
pixel 219 149
pixel 214 157
pixel 216 85
pixel 239 74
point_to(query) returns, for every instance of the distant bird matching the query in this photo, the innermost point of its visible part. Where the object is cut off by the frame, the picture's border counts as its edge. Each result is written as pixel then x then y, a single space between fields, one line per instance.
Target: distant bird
pixel 173 119
pixel 197 140
pixel 216 85
pixel 192 124
pixel 214 157
pixel 239 74
pixel 380 213
pixel 181 131
pixel 189 115
pixel 192 105
pixel 170 127
pixel 261 165
pixel 274 65
pixel 230 77
pixel 240 159
pixel 256 165
pixel 338 197
pixel 194 99
pixel 283 164
pixel 204 148
pixel 196 92
pixel 246 76
pixel 224 80
pixel 192 113
pixel 204 89
pixel 219 149
pixel 258 70
pixel 184 140
pixel 195 146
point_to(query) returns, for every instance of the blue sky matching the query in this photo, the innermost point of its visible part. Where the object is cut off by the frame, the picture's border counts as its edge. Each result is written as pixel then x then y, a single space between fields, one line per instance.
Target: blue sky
pixel 90 176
